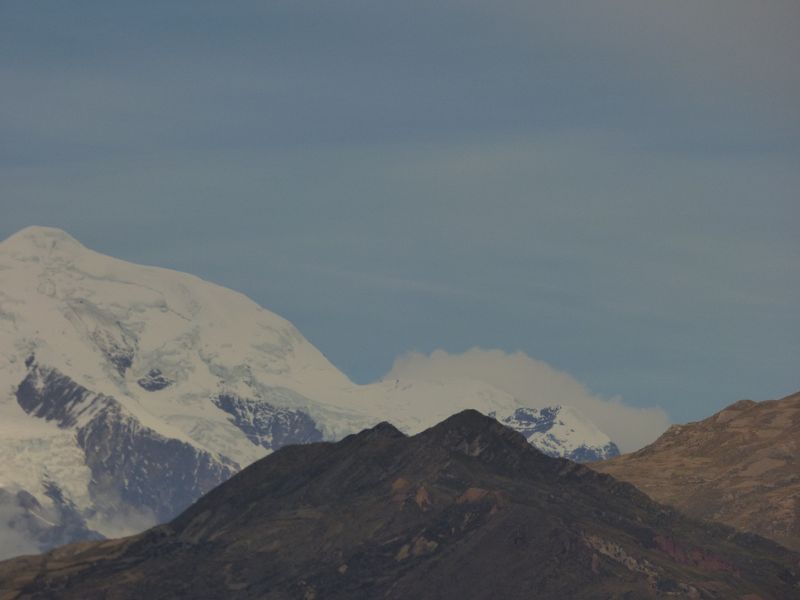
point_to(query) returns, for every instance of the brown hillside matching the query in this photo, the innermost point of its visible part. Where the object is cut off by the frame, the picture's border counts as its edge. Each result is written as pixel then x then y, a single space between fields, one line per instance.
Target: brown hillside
pixel 740 466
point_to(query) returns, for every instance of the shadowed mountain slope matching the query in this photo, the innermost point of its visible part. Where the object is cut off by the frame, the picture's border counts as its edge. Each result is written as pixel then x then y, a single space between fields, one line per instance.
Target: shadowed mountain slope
pixel 466 509
pixel 740 466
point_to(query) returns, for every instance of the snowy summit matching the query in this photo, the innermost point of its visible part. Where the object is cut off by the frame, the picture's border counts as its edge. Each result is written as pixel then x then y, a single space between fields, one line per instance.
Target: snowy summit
pixel 126 392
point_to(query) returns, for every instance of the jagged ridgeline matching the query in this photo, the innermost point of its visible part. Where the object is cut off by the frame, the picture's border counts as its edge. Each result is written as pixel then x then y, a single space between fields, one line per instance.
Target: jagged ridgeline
pixel 466 509
pixel 126 392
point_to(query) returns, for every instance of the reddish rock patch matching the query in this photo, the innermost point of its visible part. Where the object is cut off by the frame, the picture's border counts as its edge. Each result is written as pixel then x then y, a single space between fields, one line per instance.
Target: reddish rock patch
pixel 694 556
pixel 473 495
pixel 422 498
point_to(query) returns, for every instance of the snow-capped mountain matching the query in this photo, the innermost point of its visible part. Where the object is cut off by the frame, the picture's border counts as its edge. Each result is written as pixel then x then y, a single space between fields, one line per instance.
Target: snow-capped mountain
pixel 126 392
pixel 562 431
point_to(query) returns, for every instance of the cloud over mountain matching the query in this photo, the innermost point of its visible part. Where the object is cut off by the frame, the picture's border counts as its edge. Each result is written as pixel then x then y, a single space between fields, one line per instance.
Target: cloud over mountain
pixel 536 384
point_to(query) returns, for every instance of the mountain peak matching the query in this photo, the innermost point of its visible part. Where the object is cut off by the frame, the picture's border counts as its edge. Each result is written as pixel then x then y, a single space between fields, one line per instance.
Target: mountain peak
pixel 467 421
pixel 471 432
pixel 384 429
pixel 468 417
pixel 39 240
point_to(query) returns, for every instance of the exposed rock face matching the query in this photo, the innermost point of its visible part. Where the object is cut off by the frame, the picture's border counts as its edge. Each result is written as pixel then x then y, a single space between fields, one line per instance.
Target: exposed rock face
pixel 267 425
pixel 144 469
pixel 562 432
pixel 49 395
pixel 118 346
pixel 466 509
pixel 131 465
pixel 154 381
pixel 740 466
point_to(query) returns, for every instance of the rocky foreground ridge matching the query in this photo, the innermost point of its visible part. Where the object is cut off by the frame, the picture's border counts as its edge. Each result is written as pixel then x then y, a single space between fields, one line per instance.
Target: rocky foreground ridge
pixel 465 509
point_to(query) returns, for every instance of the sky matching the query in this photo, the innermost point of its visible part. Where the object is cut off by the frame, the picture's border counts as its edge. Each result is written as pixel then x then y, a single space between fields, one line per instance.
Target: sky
pixel 607 188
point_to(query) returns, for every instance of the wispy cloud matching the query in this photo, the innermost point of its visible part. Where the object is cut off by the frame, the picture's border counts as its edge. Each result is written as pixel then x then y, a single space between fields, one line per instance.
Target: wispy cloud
pixel 14 542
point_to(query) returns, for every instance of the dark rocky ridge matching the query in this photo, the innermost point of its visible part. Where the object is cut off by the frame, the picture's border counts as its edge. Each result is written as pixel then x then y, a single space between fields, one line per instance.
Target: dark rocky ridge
pixel 466 509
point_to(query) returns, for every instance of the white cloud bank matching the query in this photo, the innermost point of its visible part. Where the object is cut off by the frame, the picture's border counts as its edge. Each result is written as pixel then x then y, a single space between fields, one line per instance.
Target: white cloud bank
pixel 537 384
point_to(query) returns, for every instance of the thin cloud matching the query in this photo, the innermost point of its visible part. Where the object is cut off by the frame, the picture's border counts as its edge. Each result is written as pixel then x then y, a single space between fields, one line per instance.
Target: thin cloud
pixel 13 542
pixel 388 282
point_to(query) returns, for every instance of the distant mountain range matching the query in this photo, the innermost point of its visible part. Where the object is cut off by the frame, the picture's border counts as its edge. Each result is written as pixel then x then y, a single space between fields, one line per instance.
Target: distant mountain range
pixel 740 466
pixel 465 509
pixel 127 392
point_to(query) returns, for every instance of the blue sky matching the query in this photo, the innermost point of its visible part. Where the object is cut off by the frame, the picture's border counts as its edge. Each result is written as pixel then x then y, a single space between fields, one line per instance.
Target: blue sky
pixel 610 187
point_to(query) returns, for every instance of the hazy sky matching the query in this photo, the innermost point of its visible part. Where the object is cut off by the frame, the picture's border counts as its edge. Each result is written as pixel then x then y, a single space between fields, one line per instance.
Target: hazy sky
pixel 611 187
